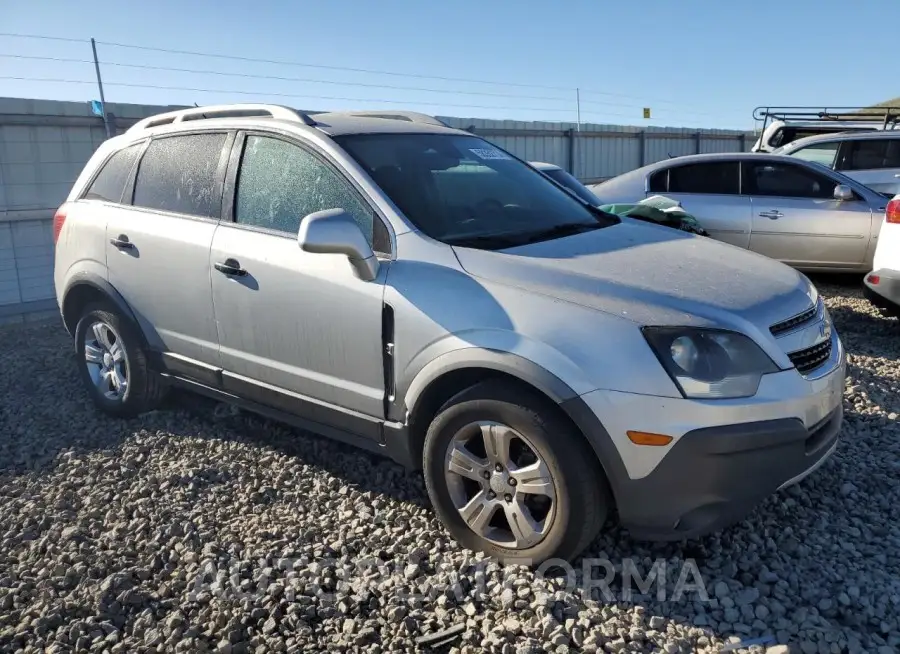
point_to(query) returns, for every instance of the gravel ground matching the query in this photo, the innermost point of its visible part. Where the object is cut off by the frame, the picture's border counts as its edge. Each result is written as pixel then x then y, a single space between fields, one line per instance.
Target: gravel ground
pixel 198 528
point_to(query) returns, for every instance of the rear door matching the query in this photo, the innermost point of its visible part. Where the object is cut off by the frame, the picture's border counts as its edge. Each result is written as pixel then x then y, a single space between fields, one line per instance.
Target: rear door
pixel 709 191
pixel 797 220
pixel 158 248
pixel 874 162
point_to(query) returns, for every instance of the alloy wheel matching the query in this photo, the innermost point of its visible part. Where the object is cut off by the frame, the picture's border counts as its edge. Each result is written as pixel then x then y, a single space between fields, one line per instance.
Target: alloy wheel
pixel 500 485
pixel 104 355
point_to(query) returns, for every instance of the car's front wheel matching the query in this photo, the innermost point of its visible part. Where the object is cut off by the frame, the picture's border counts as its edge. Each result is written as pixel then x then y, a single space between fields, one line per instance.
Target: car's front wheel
pixel 511 477
pixel 113 363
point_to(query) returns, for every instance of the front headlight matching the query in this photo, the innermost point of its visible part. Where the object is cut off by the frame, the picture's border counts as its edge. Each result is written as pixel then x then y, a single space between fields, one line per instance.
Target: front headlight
pixel 710 363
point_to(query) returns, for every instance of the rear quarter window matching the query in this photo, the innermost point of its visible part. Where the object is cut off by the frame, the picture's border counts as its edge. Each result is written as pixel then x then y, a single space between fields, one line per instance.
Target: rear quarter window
pixel 109 184
pixel 179 174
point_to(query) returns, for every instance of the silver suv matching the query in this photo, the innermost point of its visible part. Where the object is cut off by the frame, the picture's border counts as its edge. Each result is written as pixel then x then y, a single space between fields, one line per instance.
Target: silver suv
pixel 413 289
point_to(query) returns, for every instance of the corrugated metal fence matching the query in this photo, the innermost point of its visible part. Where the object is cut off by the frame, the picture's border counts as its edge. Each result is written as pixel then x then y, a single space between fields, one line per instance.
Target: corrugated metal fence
pixel 44 144
pixel 594 152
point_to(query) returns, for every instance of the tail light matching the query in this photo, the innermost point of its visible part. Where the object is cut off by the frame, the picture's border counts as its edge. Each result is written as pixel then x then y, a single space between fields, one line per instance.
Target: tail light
pixel 59 219
pixel 892 212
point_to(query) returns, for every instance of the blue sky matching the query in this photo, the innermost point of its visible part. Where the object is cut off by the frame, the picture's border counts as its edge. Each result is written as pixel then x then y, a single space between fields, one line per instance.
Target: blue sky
pixel 697 63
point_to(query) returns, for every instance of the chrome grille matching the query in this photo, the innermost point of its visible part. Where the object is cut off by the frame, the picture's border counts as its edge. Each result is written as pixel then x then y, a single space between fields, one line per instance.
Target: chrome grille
pixel 795 321
pixel 810 358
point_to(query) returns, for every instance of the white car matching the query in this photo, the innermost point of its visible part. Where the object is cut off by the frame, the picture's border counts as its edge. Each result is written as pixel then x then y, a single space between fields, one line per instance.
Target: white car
pixel 871 158
pixel 883 283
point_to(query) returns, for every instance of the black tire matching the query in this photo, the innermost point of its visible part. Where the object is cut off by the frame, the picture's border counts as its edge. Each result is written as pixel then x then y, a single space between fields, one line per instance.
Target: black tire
pixel 582 497
pixel 144 389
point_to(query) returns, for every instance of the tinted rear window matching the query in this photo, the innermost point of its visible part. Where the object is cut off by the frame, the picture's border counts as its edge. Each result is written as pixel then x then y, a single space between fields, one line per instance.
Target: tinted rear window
pixel 719 177
pixel 872 154
pixel 110 182
pixel 178 173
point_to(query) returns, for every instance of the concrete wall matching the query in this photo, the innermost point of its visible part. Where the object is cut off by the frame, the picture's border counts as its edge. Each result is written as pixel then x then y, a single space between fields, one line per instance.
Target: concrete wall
pixel 44 144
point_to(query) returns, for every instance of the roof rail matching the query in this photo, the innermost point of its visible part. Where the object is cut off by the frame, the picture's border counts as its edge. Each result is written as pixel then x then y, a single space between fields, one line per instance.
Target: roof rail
pixel 221 111
pixel 887 116
pixel 410 116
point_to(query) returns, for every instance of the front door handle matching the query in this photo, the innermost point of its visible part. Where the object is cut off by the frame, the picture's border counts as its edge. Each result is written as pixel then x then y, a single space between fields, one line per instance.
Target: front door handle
pixel 774 214
pixel 230 267
pixel 121 241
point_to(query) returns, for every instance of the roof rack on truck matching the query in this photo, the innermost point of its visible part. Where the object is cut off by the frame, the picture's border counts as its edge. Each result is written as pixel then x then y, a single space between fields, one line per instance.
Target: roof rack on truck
pixel 887 116
pixel 782 125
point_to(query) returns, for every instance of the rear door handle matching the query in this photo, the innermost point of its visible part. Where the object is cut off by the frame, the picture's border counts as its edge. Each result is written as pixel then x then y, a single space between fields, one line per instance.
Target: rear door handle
pixel 774 214
pixel 122 242
pixel 230 267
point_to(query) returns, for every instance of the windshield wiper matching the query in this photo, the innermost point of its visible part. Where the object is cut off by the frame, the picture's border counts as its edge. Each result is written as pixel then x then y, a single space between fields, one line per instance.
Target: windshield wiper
pixel 559 231
pixel 501 241
pixel 486 241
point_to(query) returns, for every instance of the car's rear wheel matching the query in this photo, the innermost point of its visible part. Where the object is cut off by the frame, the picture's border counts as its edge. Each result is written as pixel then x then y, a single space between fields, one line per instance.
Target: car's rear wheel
pixel 113 363
pixel 511 477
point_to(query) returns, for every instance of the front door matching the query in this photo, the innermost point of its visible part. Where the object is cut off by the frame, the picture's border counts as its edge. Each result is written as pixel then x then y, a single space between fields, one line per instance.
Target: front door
pixel 294 326
pixel 797 220
pixel 158 248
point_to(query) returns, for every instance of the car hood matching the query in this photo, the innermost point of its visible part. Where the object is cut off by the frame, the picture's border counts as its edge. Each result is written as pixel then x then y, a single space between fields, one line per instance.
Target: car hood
pixel 651 275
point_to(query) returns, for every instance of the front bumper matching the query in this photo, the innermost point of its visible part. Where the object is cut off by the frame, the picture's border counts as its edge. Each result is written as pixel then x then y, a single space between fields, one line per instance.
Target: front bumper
pixel 726 456
pixel 886 293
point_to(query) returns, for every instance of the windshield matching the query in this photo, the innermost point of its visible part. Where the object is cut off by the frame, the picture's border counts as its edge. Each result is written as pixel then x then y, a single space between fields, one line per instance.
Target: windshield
pixel 567 180
pixel 464 191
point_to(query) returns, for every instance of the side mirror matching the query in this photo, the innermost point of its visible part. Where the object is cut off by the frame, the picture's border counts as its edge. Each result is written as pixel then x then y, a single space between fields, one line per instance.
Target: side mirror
pixel 333 231
pixel 843 192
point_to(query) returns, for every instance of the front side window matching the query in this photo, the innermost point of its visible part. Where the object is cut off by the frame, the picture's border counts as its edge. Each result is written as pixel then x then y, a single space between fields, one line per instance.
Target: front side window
pixel 715 177
pixel 785 180
pixel 872 154
pixel 464 191
pixel 280 183
pixel 178 173
pixel 821 153
pixel 109 185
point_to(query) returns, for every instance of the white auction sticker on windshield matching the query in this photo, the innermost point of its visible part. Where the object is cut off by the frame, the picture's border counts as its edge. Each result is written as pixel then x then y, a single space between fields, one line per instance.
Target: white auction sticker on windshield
pixel 488 153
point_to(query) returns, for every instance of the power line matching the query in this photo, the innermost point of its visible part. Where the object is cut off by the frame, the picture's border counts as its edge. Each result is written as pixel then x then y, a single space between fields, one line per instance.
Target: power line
pixel 284 95
pixel 357 70
pixel 368 70
pixel 283 79
pixel 310 80
pixel 318 81
pixel 45 38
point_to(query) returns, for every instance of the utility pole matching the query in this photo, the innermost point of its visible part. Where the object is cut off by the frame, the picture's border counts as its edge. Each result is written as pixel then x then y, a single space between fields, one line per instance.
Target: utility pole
pixel 106 124
pixel 577 102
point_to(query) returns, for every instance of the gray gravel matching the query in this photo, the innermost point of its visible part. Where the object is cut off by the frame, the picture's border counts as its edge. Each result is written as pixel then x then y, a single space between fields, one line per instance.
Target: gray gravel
pixel 198 528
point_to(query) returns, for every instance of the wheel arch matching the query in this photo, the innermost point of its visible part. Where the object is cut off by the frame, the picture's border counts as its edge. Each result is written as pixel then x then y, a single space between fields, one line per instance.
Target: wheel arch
pixel 86 287
pixel 436 385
